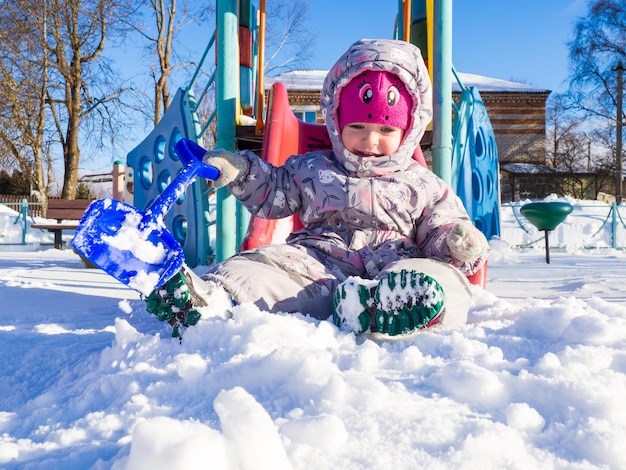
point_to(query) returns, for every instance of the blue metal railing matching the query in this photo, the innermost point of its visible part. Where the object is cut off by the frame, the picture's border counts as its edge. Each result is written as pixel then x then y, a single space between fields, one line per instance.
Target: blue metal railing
pixel 204 94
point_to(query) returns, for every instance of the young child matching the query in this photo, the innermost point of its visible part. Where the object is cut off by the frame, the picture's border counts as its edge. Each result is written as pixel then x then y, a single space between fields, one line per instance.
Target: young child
pixel 386 244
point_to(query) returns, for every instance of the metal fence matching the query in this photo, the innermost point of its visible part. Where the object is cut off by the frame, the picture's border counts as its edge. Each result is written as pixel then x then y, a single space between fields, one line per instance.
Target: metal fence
pixel 35 208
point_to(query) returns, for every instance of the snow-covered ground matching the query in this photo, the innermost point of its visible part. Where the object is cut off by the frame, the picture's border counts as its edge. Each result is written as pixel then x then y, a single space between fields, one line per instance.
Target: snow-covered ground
pixel 536 379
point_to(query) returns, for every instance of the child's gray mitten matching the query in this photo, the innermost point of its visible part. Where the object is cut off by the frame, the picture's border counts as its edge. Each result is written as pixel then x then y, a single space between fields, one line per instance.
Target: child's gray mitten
pixel 230 165
pixel 467 243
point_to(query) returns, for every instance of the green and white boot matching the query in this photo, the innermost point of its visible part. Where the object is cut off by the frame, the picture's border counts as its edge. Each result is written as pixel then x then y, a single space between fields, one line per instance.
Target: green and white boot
pixel 353 304
pixel 407 301
pixel 176 302
pixel 399 303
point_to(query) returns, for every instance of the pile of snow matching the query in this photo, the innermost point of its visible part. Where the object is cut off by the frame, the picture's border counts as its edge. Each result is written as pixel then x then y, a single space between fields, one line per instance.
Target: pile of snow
pixel 536 379
pixel 15 231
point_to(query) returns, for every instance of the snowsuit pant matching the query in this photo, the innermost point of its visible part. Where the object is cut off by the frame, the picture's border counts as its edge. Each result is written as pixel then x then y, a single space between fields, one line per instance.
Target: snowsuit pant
pixel 292 278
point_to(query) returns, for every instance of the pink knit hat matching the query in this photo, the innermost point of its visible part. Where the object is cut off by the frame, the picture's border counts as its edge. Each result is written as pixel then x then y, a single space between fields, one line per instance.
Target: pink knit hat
pixel 377 97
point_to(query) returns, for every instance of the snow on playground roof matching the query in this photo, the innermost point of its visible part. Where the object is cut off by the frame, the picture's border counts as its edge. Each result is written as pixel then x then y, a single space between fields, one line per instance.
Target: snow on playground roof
pixel 299 79
pixel 313 80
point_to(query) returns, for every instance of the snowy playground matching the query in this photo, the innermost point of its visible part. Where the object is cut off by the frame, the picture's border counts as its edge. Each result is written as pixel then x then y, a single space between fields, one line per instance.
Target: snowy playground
pixel 534 380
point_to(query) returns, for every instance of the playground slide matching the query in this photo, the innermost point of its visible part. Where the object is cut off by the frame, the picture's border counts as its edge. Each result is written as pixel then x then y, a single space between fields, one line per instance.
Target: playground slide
pixel 285 135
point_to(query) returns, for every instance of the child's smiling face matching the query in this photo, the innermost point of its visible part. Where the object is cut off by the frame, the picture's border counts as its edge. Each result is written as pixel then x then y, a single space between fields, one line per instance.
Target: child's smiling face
pixel 371 140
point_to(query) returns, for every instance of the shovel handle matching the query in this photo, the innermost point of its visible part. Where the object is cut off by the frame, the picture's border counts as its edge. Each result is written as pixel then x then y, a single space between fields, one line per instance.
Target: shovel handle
pixel 191 155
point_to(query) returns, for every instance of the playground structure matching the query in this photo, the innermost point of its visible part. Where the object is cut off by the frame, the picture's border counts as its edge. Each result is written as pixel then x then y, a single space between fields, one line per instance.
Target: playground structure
pixel 211 227
pixel 546 216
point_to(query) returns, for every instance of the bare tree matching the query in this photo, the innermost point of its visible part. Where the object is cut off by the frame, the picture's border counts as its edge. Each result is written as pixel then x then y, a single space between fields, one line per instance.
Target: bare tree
pixel 567 147
pixel 165 17
pixel 23 78
pixel 581 156
pixel 55 83
pixel 288 41
pixel 599 43
pixel 77 30
pixel 166 20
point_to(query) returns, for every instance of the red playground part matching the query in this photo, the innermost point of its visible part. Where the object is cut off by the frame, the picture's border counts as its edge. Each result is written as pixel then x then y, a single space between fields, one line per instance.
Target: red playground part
pixel 286 135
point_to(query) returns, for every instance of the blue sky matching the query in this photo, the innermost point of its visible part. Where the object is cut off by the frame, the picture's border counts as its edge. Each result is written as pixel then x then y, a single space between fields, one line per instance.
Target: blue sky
pixel 523 40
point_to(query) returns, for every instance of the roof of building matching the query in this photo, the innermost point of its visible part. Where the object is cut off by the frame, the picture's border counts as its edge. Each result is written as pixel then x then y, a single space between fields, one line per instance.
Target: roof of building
pixel 313 80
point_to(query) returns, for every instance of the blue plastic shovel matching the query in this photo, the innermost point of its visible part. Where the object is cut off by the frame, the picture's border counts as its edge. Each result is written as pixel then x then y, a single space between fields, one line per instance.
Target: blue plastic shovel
pixel 134 246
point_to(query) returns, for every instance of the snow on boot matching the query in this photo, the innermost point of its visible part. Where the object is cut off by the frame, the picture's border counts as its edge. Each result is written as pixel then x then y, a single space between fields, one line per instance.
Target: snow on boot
pixel 406 301
pixel 353 304
pixel 176 302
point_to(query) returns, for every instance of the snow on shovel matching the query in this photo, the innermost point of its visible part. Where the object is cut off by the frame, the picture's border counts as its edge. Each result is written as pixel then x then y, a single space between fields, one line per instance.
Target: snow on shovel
pixel 134 246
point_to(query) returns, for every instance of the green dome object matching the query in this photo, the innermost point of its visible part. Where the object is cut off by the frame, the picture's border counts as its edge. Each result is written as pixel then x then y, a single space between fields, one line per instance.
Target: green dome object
pixel 546 215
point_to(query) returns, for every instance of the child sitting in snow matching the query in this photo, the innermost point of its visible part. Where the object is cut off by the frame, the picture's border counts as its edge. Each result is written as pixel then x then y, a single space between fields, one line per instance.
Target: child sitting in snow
pixel 385 240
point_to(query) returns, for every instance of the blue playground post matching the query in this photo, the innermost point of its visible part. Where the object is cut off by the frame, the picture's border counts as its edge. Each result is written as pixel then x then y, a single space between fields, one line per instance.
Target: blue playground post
pixel 227 97
pixel 615 213
pixel 442 85
pixel 24 212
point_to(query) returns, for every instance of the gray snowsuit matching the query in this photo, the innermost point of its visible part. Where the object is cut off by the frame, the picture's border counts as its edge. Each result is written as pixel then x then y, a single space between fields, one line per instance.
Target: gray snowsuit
pixel 362 216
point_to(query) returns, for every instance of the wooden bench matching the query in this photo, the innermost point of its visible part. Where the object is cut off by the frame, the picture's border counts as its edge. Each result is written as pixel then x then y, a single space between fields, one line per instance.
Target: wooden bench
pixel 63 210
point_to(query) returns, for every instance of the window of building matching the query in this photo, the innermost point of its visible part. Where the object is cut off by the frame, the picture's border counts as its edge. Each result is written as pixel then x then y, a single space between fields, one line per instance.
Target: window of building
pixel 306 116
